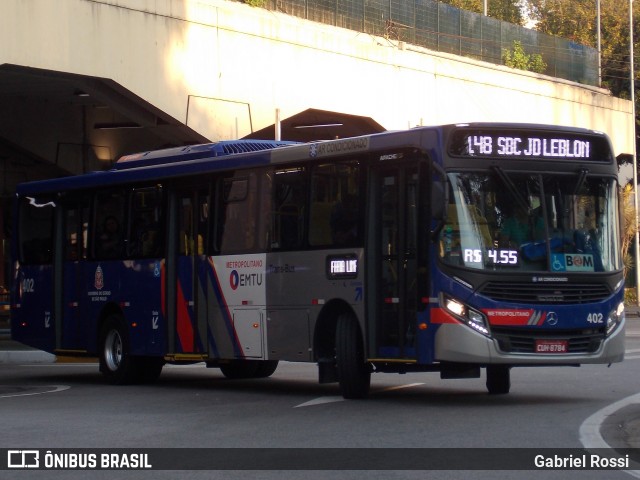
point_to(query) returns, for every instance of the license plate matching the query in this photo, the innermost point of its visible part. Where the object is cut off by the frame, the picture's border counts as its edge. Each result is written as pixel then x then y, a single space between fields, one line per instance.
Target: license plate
pixel 551 346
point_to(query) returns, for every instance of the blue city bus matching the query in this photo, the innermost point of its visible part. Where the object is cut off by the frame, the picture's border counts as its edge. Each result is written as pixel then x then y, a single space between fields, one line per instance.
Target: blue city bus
pixel 451 249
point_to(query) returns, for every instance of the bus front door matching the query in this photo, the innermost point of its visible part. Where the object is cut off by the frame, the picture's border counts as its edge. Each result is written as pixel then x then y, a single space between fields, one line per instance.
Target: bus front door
pixel 186 297
pixel 396 248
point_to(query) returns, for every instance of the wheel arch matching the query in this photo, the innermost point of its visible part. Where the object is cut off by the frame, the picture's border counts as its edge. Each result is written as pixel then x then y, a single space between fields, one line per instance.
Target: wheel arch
pixel 324 333
pixel 109 310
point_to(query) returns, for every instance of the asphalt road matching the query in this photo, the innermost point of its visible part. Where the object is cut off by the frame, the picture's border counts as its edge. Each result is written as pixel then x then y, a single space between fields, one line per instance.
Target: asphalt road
pixel 67 405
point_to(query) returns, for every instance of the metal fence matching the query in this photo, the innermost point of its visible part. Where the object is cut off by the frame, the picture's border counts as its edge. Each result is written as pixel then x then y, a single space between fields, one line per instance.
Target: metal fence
pixel 441 27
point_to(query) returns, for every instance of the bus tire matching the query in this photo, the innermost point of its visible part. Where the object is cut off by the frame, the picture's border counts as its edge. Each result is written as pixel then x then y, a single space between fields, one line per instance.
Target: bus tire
pixel 266 368
pixel 116 362
pixel 149 369
pixel 238 369
pixel 354 374
pixel 498 379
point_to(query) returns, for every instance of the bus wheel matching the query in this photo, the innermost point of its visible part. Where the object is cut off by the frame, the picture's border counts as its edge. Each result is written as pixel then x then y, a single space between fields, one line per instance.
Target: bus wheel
pixel 237 369
pixel 266 368
pixel 116 363
pixel 354 374
pixel 498 379
pixel 149 368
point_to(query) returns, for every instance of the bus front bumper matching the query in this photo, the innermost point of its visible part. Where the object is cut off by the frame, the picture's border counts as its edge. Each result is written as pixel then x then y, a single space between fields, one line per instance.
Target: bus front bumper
pixel 459 343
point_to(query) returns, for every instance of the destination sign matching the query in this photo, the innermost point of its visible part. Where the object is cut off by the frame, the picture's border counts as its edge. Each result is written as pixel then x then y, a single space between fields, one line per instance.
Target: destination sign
pixel 522 144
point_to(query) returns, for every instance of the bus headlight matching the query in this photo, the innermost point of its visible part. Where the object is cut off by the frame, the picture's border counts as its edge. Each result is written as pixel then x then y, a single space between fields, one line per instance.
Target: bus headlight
pixel 615 318
pixel 467 315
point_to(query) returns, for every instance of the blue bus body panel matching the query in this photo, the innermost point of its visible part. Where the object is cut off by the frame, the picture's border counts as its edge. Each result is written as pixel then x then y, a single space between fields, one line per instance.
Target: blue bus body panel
pixel 573 316
pixel 74 322
pixel 135 288
pixel 32 321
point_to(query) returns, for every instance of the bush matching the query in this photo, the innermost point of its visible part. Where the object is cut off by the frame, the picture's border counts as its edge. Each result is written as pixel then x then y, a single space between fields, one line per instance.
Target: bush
pixel 630 297
pixel 518 58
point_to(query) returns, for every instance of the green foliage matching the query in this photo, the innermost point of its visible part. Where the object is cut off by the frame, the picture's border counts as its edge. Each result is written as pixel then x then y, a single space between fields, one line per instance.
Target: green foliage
pixel 506 10
pixel 629 226
pixel 256 3
pixel 518 58
pixel 630 296
pixel 576 20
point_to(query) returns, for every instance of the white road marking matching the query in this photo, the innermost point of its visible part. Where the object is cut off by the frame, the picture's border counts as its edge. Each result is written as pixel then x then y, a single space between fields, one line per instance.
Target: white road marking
pixel 56 388
pixel 333 399
pixel 590 429
pixel 399 387
pixel 320 401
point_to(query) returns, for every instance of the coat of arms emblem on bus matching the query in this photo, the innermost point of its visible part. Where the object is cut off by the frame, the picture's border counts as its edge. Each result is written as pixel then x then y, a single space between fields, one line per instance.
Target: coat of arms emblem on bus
pixel 313 150
pixel 99 278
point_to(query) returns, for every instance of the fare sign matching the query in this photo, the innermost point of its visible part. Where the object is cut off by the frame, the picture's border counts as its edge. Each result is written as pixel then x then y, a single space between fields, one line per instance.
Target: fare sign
pixel 342 266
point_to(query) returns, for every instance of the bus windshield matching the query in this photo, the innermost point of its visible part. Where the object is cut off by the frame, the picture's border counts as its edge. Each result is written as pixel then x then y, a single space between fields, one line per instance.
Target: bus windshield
pixel 513 221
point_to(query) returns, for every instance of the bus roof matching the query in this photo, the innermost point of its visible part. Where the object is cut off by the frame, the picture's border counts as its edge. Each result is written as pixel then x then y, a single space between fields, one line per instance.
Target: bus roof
pixel 159 164
pixel 193 152
pixel 201 159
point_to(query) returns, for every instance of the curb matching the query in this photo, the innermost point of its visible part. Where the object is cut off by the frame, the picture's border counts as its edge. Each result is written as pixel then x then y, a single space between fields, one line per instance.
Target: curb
pixel 12 352
pixel 26 356
pixel 9 357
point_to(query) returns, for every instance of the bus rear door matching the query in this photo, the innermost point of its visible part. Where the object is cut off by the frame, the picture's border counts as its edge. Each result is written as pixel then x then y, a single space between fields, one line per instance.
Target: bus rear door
pixel 186 288
pixel 69 284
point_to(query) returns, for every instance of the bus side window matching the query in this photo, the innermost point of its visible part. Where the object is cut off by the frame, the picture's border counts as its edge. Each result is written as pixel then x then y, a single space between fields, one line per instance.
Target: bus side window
pixel 243 223
pixel 76 224
pixel 235 192
pixel 202 223
pixel 335 214
pixel 186 230
pixel 71 235
pixel 289 201
pixel 36 231
pixel 109 224
pixel 145 237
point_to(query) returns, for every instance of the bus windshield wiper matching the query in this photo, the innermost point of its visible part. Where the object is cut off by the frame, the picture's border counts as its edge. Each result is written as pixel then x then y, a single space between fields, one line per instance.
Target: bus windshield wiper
pixel 582 176
pixel 512 188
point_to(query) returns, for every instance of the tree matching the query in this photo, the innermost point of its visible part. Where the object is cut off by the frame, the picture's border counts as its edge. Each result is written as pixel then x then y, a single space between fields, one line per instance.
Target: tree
pixel 507 10
pixel 576 20
pixel 628 228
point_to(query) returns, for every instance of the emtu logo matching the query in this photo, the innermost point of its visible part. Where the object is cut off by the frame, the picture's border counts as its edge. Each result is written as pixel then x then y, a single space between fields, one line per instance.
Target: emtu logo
pixel 245 279
pixel 23 459
pixel 234 280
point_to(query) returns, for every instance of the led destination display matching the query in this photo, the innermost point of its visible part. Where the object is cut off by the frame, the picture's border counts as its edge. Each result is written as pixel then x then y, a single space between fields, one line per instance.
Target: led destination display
pixel 524 144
